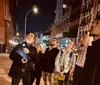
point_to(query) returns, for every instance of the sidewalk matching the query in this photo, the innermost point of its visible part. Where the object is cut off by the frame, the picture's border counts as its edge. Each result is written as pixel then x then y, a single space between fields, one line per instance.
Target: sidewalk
pixel 5 64
pixel 4 54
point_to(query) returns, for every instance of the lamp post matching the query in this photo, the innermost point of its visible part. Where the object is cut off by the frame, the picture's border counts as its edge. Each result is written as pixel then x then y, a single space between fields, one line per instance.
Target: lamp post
pixel 35 10
pixel 17 34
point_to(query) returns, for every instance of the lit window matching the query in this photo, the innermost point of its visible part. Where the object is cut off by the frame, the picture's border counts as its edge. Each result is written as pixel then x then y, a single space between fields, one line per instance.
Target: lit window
pixel 64 6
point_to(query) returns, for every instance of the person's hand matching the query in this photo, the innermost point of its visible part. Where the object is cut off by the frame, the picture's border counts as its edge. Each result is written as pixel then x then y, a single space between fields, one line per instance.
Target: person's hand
pixel 26 50
pixel 70 74
pixel 33 66
pixel 61 73
pixel 24 61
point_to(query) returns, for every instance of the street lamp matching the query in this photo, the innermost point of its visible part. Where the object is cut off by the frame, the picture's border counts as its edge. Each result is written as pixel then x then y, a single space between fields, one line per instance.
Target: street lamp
pixel 17 34
pixel 35 10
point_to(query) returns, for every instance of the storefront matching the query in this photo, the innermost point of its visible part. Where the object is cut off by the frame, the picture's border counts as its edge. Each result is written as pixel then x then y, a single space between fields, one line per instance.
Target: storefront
pixel 2 47
pixel 65 37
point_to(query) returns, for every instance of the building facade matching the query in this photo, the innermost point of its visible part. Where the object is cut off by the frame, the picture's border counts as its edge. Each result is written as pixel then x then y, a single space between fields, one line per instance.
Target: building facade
pixel 74 17
pixel 67 18
pixel 6 25
pixel 90 9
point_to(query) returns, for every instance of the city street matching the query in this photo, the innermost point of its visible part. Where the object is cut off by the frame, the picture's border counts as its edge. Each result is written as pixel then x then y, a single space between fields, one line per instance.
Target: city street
pixel 5 64
pixel 4 69
pixel 61 38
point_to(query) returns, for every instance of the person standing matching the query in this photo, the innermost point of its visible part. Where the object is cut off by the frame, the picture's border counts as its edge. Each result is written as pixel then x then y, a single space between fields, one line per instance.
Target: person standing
pixel 65 63
pixel 24 59
pixel 92 63
pixel 78 73
pixel 90 72
pixel 49 60
pixel 38 73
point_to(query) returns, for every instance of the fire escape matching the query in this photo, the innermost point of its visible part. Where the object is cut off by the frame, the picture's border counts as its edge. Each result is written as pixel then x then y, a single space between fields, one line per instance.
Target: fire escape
pixel 89 10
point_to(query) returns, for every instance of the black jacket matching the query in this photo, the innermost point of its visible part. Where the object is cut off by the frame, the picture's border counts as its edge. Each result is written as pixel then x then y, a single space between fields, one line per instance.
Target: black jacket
pixel 91 71
pixel 17 65
pixel 49 59
pixel 39 61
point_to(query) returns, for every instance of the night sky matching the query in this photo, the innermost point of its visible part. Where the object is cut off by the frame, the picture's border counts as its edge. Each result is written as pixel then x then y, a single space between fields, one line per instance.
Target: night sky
pixel 38 22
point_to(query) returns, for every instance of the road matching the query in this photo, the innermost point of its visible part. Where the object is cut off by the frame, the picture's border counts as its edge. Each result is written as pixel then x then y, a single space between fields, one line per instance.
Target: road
pixel 5 64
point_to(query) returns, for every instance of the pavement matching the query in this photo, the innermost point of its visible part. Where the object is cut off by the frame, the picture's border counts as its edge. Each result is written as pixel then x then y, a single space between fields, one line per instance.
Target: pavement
pixel 4 69
pixel 5 64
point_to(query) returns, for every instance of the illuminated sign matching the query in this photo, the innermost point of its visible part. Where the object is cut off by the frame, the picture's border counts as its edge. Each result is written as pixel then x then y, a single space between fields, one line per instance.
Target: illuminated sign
pixel 59 35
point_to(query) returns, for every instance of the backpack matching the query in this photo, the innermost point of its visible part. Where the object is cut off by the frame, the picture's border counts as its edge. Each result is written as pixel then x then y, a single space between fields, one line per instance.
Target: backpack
pixel 62 53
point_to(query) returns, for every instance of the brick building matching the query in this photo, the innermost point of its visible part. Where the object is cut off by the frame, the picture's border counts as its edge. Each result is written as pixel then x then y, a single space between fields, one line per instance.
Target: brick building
pixel 6 26
pixel 90 9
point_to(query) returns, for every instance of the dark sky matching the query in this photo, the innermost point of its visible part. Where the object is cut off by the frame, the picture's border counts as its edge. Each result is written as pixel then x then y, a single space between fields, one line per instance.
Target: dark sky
pixel 37 22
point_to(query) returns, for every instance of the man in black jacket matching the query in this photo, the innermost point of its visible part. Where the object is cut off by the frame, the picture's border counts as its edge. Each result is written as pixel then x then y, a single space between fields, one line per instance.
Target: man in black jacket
pixel 49 60
pixel 23 57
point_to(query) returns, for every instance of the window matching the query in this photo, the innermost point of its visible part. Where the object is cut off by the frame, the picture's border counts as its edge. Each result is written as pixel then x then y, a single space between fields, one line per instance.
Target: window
pixel 83 14
pixel 98 13
pixel 90 4
pixel 83 21
pixel 83 9
pixel 64 6
pixel 60 24
pixel 89 18
pixel 66 20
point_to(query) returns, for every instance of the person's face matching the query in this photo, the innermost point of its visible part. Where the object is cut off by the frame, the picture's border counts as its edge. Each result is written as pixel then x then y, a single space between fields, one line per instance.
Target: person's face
pixel 54 42
pixel 30 38
pixel 70 45
pixel 95 29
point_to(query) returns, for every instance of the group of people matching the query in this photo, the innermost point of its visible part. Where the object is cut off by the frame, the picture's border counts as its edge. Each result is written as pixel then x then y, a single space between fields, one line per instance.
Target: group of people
pixel 58 66
pixel 30 63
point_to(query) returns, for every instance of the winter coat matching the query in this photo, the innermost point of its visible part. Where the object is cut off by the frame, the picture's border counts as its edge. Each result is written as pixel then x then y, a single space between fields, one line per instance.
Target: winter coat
pixel 17 67
pixel 49 59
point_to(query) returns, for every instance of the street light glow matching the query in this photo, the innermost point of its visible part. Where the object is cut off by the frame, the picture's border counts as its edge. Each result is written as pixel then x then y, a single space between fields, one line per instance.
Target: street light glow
pixel 35 9
pixel 17 34
pixel 13 42
pixel 64 6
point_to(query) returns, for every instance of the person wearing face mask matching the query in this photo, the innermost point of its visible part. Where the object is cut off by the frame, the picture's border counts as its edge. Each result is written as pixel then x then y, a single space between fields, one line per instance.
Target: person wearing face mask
pixel 23 58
